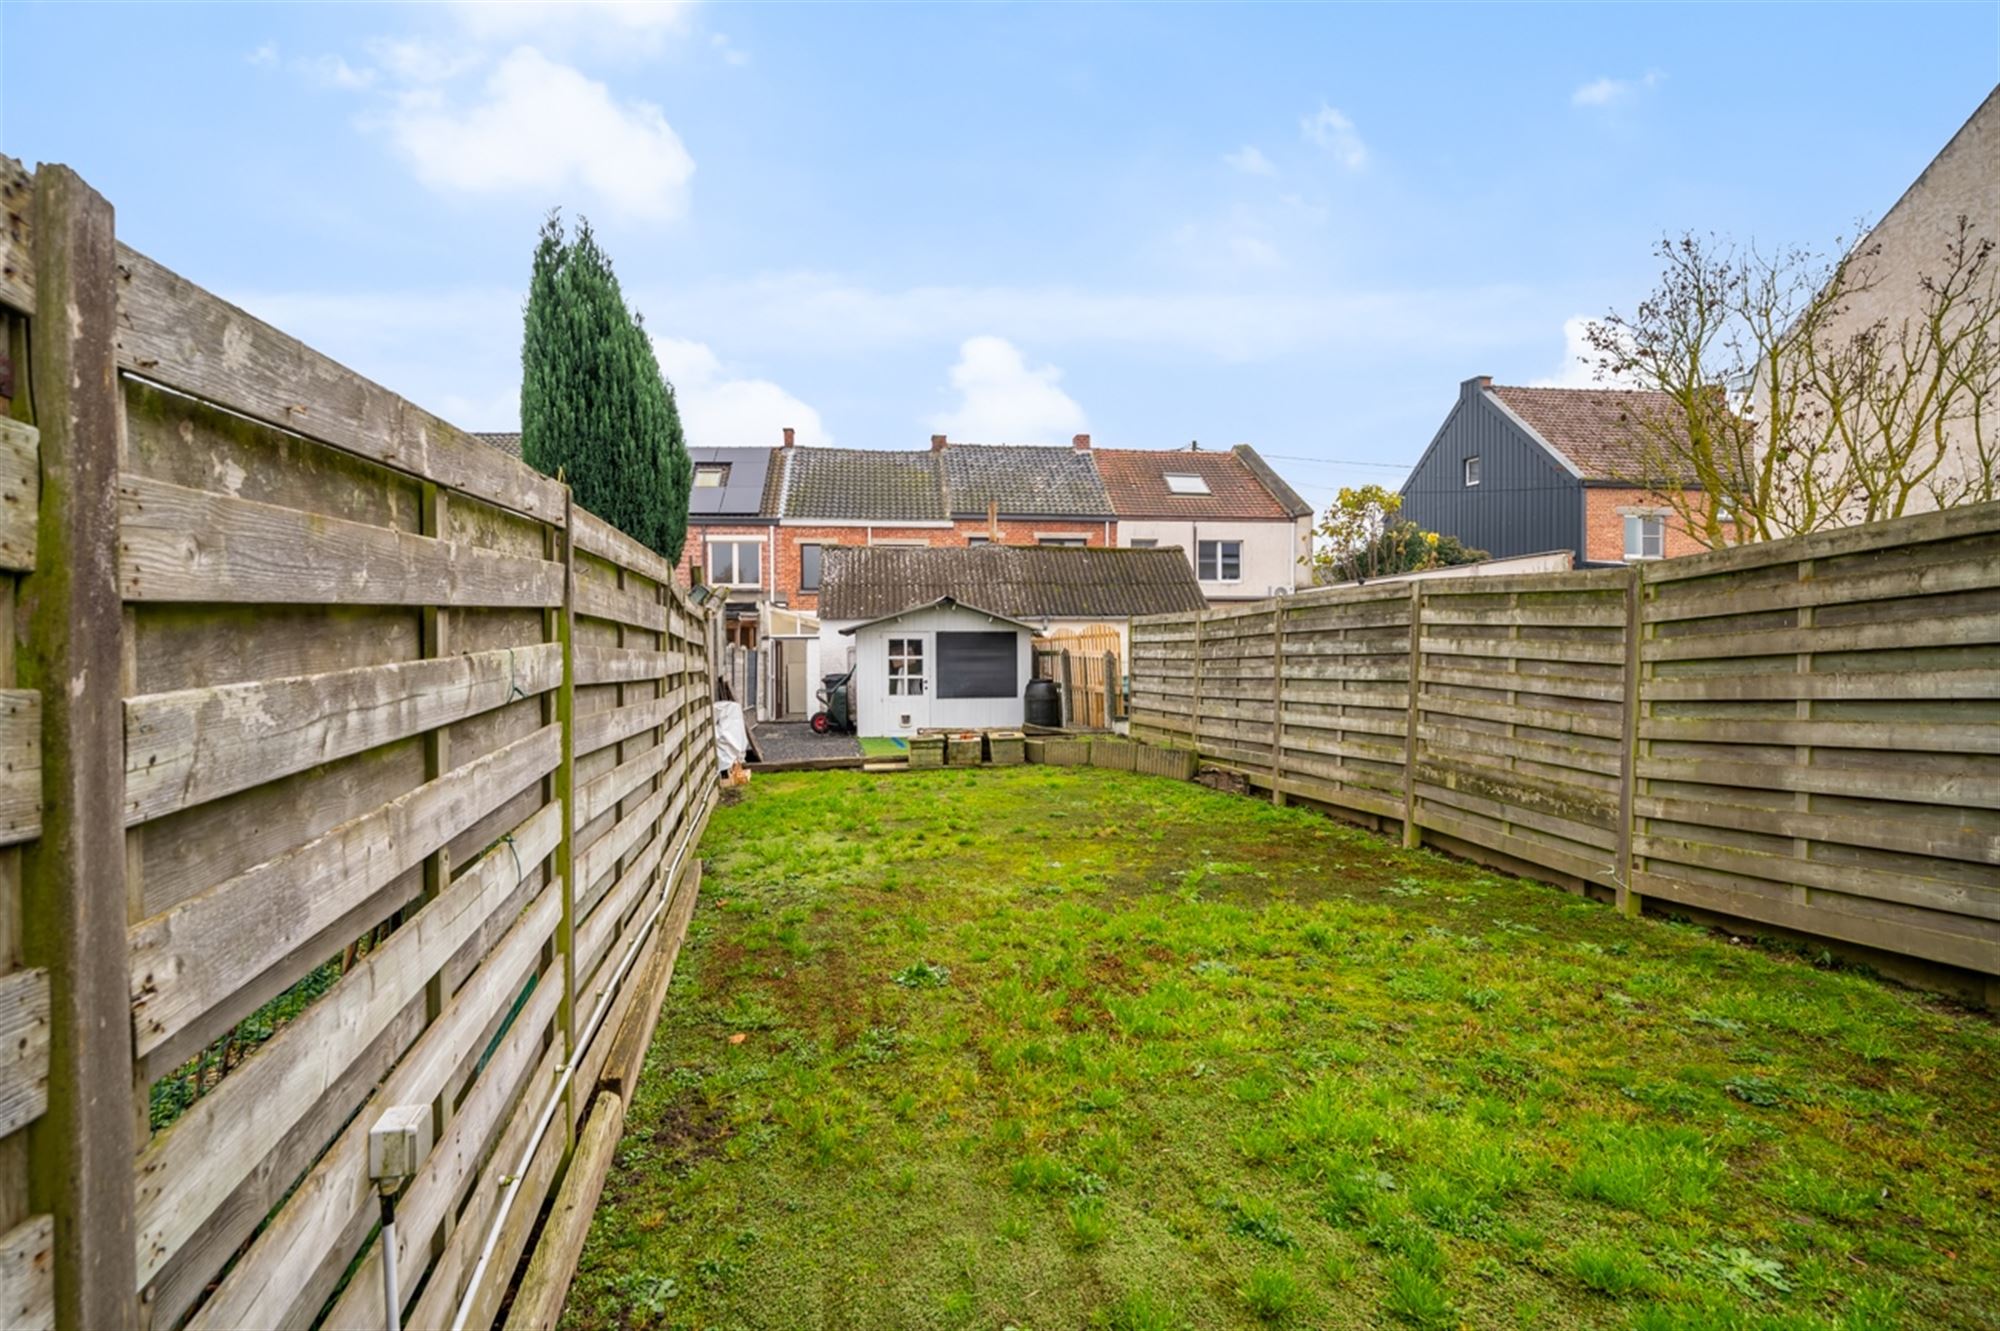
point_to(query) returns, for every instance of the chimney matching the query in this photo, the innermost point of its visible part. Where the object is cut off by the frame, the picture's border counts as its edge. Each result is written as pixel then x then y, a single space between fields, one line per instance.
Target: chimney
pixel 937 443
pixel 788 436
pixel 1081 443
pixel 1478 383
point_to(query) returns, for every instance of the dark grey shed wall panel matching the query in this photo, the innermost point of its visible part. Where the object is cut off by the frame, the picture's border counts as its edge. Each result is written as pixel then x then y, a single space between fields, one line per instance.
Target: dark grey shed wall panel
pixel 1525 502
pixel 978 665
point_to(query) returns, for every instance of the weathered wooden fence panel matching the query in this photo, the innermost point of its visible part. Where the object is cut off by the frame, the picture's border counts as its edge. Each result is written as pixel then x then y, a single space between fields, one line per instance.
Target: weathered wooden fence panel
pixel 413 761
pixel 1805 734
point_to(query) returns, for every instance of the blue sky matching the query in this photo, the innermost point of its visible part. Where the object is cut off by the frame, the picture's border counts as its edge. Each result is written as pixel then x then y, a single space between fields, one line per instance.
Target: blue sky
pixel 1296 227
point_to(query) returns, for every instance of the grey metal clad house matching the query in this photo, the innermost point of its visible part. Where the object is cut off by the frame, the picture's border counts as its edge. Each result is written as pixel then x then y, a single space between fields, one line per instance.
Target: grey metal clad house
pixel 1518 471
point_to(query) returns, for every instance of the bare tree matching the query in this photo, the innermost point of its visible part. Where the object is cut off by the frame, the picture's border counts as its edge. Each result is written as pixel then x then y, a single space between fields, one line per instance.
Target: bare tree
pixel 1782 413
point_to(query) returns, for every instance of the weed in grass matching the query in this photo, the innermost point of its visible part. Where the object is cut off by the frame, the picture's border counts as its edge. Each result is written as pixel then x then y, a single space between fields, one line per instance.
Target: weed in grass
pixel 1822 1194
pixel 1417 1297
pixel 923 975
pixel 1753 1090
pixel 1255 1218
pixel 1271 1293
pixel 1039 1172
pixel 1254 1088
pixel 1261 1145
pixel 1449 1204
pixel 1611 1270
pixel 1745 1272
pixel 1088 1225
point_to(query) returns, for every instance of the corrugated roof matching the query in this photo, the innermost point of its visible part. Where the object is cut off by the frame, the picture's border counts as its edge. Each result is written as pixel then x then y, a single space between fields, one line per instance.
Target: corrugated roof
pixel 1597 429
pixel 1022 481
pixel 863 485
pixel 742 491
pixel 1021 581
pixel 1136 479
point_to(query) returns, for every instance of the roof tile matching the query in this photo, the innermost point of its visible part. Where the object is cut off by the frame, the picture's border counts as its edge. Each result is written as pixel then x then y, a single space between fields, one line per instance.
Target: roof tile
pixel 1136 479
pixel 1597 429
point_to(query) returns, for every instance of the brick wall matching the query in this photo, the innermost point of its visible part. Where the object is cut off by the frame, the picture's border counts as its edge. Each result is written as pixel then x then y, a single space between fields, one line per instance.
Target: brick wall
pixel 696 549
pixel 1605 508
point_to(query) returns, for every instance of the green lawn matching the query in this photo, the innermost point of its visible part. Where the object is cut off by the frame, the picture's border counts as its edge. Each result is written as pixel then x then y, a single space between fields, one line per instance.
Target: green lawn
pixel 1060 1048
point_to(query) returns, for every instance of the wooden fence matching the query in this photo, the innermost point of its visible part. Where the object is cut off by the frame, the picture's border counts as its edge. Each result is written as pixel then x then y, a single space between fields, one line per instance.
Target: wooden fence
pixel 1804 734
pixel 367 770
pixel 1085 662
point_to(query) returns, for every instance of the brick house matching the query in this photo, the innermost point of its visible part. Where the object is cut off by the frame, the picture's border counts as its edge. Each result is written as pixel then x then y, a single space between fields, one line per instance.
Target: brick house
pixel 1518 471
pixel 731 536
pixel 1247 534
pixel 1017 494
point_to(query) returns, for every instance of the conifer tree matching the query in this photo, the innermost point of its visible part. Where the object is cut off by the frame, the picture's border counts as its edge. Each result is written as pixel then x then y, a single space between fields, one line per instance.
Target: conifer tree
pixel 595 409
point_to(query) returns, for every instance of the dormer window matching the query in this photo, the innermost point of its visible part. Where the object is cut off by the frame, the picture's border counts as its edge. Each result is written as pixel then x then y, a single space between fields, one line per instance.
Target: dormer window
pixel 711 475
pixel 1472 471
pixel 1184 483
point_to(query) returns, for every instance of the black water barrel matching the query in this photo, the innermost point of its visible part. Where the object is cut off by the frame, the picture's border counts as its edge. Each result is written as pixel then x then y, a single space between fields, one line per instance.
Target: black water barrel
pixel 1044 703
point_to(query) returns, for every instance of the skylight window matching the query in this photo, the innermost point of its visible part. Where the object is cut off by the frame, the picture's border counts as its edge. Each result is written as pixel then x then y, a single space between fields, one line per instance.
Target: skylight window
pixel 711 476
pixel 1181 483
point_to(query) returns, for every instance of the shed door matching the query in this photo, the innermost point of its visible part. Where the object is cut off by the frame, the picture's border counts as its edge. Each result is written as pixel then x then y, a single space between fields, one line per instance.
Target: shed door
pixel 908 679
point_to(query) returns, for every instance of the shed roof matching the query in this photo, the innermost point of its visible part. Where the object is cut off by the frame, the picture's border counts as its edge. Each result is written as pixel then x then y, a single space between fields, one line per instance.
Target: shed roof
pixel 1022 480
pixel 507 441
pixel 942 602
pixel 862 485
pixel 1136 480
pixel 1022 581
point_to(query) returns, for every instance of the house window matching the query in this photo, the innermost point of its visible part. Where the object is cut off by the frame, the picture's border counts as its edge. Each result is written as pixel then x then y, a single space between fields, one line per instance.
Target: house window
pixel 711 475
pixel 1068 542
pixel 809 566
pixel 906 667
pixel 1645 536
pixel 1219 561
pixel 1148 543
pixel 1183 483
pixel 734 563
pixel 979 540
pixel 1472 471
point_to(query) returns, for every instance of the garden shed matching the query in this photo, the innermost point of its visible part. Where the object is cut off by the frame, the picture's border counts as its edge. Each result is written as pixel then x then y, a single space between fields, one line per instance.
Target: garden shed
pixel 940 665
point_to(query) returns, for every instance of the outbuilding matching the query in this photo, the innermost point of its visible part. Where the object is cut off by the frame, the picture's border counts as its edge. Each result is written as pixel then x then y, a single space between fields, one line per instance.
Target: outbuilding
pixel 940 666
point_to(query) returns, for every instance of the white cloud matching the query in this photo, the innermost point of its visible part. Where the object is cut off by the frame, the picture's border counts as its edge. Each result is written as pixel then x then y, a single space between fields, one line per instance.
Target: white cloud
pixel 1004 400
pixel 1250 160
pixel 332 71
pixel 1612 92
pixel 1336 134
pixel 729 51
pixel 266 55
pixel 1580 360
pixel 718 411
pixel 413 60
pixel 545 129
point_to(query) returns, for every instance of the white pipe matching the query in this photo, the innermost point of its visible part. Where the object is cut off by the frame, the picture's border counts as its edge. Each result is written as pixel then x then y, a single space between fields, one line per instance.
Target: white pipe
pixel 392 1300
pixel 513 1187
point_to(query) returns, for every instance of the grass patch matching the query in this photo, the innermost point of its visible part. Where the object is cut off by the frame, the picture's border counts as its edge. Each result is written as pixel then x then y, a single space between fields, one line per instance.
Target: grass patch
pixel 879 746
pixel 1070 1050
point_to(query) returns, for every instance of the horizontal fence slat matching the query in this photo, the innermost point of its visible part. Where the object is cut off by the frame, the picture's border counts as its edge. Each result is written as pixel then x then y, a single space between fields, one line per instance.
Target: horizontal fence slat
pixel 27 1268
pixel 20 491
pixel 188 960
pixel 195 745
pixel 24 1047
pixel 178 544
pixel 174 333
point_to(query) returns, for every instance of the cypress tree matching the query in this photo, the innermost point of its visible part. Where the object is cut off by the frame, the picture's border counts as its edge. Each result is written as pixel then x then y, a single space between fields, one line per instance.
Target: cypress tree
pixel 595 409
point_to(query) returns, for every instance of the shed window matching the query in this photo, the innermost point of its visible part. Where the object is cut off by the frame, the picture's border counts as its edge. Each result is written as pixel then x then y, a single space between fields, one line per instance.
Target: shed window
pixel 1472 471
pixel 1645 536
pixel 1219 561
pixel 734 563
pixel 978 665
pixel 906 667
pixel 1184 483
pixel 711 475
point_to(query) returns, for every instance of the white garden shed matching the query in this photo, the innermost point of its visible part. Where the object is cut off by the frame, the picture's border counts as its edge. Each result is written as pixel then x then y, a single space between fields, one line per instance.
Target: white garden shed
pixel 941 665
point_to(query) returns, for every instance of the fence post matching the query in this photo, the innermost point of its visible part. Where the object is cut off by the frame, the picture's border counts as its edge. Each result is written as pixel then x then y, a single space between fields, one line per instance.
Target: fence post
pixel 1113 703
pixel 1412 835
pixel 1194 703
pixel 80 1152
pixel 1277 699
pixel 565 791
pixel 1629 902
